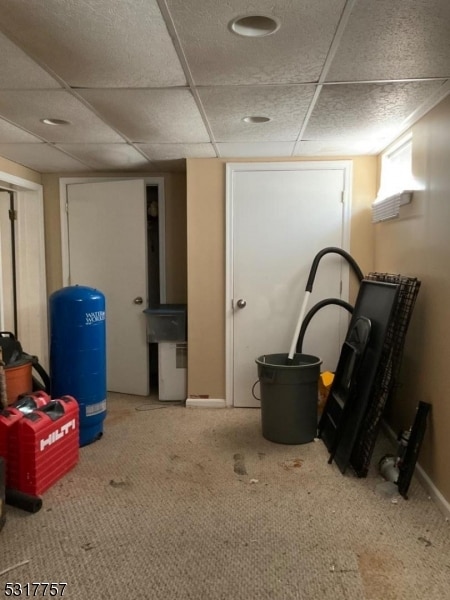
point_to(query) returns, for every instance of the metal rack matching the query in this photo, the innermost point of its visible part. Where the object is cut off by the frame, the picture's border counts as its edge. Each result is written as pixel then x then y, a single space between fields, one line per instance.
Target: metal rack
pixel 387 373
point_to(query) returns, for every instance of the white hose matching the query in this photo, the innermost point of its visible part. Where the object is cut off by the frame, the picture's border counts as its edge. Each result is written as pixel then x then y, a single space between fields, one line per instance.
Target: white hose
pixel 299 324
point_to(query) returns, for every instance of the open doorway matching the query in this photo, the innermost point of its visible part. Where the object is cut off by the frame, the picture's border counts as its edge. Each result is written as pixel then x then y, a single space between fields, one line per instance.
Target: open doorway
pixel 23 291
pixel 8 279
pixel 153 263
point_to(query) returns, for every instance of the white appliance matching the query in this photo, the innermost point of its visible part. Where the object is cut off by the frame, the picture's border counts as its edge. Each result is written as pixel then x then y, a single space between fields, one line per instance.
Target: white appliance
pixel 172 370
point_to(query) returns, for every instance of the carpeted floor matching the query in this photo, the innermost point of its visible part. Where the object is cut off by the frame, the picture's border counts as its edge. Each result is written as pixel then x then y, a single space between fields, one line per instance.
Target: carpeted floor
pixel 183 503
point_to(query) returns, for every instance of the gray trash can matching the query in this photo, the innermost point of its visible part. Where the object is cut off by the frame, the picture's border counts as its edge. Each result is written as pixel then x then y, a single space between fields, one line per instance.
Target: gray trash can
pixel 289 395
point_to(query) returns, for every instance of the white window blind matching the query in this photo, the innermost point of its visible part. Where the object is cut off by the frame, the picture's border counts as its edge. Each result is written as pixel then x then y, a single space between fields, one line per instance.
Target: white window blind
pixel 396 183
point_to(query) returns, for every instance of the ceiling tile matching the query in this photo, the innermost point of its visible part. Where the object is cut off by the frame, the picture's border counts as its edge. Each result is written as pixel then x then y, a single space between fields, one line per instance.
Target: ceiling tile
pixel 18 71
pixel 365 111
pixel 27 108
pixel 164 152
pixel 394 40
pixel 41 157
pixel 295 53
pixel 130 101
pixel 106 43
pixel 256 149
pixel 286 106
pixel 335 148
pixel 107 156
pixel 154 116
pixel 11 134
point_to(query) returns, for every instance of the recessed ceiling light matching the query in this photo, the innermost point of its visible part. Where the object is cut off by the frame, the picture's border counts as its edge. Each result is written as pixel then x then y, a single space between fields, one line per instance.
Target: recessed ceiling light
pixel 55 122
pixel 256 119
pixel 254 26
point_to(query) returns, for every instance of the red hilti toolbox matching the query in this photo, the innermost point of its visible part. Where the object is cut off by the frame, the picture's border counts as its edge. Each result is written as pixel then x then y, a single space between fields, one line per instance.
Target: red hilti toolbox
pixel 48 443
pixel 9 418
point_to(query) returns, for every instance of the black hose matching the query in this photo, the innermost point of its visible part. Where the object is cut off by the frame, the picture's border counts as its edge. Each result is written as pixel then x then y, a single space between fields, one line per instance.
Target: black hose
pixel 44 385
pixel 331 249
pixel 313 311
pixel 31 504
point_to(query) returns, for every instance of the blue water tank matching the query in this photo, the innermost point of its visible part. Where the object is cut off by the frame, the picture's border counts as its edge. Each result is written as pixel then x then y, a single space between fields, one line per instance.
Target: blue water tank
pixel 78 354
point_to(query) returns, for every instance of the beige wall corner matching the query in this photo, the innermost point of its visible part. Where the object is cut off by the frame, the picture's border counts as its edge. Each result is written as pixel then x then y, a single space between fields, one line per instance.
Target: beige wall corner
pixel 361 229
pixel 418 245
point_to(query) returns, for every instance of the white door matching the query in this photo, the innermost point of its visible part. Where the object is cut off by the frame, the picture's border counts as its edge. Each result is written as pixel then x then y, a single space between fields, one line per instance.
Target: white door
pixel 280 219
pixel 107 231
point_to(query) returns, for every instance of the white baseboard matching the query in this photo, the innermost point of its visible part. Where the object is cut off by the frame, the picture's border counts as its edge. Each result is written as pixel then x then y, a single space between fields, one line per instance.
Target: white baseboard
pixel 424 479
pixel 206 403
pixel 433 491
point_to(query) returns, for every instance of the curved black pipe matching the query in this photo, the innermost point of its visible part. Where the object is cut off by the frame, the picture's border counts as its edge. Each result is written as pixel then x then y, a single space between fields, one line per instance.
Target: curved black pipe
pixel 335 250
pixel 313 311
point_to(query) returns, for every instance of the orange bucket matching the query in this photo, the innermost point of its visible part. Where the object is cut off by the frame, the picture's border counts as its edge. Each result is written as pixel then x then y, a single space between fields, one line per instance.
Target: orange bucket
pixel 19 380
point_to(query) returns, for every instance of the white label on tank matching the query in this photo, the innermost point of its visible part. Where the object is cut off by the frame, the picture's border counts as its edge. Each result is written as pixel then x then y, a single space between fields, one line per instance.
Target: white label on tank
pixel 95 317
pixel 95 409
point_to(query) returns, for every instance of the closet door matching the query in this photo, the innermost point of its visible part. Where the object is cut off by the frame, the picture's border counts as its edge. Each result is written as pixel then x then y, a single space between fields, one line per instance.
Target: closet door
pixel 281 217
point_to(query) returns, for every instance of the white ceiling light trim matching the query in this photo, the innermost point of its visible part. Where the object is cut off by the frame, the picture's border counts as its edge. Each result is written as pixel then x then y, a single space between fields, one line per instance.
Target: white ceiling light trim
pixel 254 26
pixel 388 208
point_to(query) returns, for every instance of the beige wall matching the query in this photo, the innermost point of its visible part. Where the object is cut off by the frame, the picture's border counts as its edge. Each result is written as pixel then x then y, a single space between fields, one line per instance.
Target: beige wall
pixel 175 198
pixel 418 245
pixel 206 262
pixel 206 277
pixel 52 225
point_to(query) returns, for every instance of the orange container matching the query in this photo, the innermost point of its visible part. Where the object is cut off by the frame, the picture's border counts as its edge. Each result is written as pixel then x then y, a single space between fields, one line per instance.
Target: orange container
pixel 19 380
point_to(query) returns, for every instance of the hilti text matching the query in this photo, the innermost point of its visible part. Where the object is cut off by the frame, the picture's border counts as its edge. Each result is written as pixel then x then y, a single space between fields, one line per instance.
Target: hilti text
pixel 58 434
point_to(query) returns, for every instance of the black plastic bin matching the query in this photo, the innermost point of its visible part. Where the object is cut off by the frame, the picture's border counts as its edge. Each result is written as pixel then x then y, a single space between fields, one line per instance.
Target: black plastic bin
pixel 289 395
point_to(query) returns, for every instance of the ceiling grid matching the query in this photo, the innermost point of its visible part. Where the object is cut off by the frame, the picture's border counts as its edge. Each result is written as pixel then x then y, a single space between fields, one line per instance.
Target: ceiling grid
pixel 145 84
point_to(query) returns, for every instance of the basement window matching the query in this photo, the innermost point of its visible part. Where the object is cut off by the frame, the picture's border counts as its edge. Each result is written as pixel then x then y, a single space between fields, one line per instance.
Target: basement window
pixel 396 182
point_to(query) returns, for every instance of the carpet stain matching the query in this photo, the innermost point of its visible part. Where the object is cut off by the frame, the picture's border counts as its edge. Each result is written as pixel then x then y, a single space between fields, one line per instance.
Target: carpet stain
pixel 118 416
pixel 88 546
pixel 122 483
pixel 239 464
pixel 289 465
pixel 382 574
pixel 425 541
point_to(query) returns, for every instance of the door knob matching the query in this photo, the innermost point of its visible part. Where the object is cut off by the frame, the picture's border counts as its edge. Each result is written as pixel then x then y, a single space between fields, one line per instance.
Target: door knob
pixel 138 300
pixel 241 303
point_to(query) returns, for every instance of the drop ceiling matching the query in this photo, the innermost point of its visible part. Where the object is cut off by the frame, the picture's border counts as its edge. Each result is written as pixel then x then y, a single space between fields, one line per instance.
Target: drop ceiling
pixel 145 84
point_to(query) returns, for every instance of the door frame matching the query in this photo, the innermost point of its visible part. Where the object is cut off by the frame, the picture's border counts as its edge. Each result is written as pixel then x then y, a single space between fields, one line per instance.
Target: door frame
pixel 6 258
pixel 64 182
pixel 231 169
pixel 30 252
